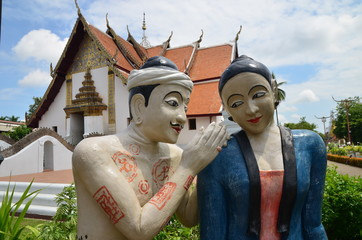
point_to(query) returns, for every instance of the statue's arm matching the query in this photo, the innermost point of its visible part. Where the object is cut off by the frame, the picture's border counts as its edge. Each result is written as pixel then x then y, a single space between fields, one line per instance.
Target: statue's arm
pixel 187 212
pixel 212 203
pixel 312 222
pixel 116 197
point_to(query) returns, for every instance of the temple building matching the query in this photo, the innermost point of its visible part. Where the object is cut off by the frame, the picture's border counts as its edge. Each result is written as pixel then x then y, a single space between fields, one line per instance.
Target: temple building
pixel 88 94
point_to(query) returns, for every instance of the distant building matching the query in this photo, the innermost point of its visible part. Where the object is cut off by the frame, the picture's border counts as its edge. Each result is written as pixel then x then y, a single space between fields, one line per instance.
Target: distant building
pixel 88 91
pixel 8 126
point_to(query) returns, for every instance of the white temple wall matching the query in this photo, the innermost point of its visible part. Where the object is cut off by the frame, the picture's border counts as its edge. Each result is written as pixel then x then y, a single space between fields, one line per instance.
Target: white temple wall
pixel 122 109
pixel 55 115
pixel 33 157
pixel 93 124
pixel 186 134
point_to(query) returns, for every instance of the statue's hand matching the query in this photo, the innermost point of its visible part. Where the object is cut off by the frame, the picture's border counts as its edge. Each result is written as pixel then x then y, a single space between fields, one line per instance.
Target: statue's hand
pixel 204 147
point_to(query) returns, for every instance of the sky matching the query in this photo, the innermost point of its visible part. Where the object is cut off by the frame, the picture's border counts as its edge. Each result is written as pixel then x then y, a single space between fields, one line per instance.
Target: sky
pixel 314 46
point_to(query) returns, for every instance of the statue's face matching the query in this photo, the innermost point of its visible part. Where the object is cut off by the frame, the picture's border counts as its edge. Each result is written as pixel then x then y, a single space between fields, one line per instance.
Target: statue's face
pixel 248 98
pixel 165 115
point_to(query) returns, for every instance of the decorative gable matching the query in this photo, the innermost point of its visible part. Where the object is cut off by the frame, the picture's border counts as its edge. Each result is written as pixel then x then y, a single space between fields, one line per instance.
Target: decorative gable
pixel 87 56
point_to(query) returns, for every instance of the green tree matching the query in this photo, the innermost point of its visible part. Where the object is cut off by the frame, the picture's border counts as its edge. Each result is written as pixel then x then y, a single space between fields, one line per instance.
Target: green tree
pixel 18 132
pixel 34 106
pixel 12 118
pixel 354 106
pixel 302 124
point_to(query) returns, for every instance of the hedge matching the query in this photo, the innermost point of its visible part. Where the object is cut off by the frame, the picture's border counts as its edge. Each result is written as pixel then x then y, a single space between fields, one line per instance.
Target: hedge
pixel 356 162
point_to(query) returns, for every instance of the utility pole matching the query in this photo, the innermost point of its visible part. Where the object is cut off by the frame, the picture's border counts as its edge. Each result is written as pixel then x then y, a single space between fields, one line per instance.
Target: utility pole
pixel 324 119
pixel 347 105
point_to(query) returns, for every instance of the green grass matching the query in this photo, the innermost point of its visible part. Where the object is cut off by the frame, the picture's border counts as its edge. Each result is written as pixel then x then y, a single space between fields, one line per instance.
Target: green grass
pixel 33 222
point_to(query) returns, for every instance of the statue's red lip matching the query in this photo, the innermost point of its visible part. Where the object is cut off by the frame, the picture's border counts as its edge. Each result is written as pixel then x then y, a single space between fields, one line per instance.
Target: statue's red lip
pixel 255 120
pixel 177 129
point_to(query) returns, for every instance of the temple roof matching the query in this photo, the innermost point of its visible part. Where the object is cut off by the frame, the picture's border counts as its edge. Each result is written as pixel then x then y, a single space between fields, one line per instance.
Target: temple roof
pixel 204 100
pixel 201 64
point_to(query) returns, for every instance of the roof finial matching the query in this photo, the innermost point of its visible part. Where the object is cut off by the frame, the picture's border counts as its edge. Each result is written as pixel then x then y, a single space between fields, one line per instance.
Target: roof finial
pixel 144 22
pixel 51 70
pixel 77 6
pixel 145 43
pixel 202 34
pixel 237 35
pixel 107 20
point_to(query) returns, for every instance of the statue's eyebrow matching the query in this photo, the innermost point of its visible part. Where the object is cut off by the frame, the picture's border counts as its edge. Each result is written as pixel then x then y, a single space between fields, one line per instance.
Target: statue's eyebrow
pixel 176 93
pixel 235 94
pixel 259 85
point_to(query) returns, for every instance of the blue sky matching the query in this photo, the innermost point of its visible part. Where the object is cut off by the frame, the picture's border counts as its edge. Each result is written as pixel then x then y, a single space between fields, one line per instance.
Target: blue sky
pixel 313 45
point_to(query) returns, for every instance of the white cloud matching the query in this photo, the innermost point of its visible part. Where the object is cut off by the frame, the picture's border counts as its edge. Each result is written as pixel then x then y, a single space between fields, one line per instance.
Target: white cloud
pixel 41 45
pixel 35 78
pixel 306 96
pixel 10 93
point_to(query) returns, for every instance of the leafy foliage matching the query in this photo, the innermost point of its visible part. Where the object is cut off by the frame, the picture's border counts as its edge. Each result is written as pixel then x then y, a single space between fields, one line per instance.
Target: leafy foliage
pixel 176 231
pixel 34 106
pixel 342 206
pixel 355 120
pixel 18 132
pixel 10 118
pixel 10 226
pixel 64 223
pixel 302 124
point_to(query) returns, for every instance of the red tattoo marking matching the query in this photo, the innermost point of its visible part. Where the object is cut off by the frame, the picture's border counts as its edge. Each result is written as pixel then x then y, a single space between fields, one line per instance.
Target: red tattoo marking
pixel 143 187
pixel 188 182
pixel 127 164
pixel 165 194
pixel 161 170
pixel 109 205
pixel 134 148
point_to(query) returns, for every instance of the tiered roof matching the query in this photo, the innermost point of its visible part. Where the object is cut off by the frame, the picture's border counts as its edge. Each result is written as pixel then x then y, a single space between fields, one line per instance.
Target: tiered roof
pixel 201 64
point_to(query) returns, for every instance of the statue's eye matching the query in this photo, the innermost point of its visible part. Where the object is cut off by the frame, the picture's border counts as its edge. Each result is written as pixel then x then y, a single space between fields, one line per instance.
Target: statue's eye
pixel 259 94
pixel 236 104
pixel 172 103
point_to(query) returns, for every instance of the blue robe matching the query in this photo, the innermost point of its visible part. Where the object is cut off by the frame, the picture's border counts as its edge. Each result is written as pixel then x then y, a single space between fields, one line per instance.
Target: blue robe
pixel 223 192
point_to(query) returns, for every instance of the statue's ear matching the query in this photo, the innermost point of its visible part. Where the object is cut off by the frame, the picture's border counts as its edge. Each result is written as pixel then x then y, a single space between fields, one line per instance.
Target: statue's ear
pixel 138 108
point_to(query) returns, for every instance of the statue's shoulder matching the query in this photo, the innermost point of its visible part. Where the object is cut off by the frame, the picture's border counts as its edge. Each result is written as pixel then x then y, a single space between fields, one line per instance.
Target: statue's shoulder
pixel 307 137
pixel 101 142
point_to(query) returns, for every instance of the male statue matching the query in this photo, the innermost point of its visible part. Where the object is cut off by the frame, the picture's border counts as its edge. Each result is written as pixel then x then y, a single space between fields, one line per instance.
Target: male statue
pixel 129 185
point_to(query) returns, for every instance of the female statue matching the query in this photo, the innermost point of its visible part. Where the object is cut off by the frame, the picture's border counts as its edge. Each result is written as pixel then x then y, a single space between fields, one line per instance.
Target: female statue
pixel 268 182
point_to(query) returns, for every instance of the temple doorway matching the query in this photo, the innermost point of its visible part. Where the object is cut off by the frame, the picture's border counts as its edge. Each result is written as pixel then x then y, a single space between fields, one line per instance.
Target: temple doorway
pixel 48 158
pixel 76 128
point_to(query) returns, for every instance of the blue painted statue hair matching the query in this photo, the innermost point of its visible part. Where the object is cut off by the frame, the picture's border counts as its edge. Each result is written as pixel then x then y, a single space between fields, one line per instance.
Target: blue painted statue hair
pixel 159 62
pixel 244 64
pixel 146 90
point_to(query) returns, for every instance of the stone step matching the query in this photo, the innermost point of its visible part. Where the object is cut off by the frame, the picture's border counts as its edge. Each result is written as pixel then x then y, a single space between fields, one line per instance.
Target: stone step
pixel 41 199
pixel 49 188
pixel 44 203
pixel 39 210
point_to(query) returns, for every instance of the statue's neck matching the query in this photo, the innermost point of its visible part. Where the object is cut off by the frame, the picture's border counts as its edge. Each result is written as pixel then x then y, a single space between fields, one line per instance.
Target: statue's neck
pixel 270 134
pixel 136 135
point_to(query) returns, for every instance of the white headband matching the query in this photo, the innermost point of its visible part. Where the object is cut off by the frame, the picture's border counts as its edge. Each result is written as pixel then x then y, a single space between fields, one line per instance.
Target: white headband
pixel 156 75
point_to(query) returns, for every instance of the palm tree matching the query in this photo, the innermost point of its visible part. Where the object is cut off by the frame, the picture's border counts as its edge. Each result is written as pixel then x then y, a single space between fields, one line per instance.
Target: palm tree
pixel 279 96
pixel 12 118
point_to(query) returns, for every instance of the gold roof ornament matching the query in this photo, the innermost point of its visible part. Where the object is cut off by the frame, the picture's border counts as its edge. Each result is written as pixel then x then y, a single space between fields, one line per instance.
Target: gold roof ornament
pixel 145 43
